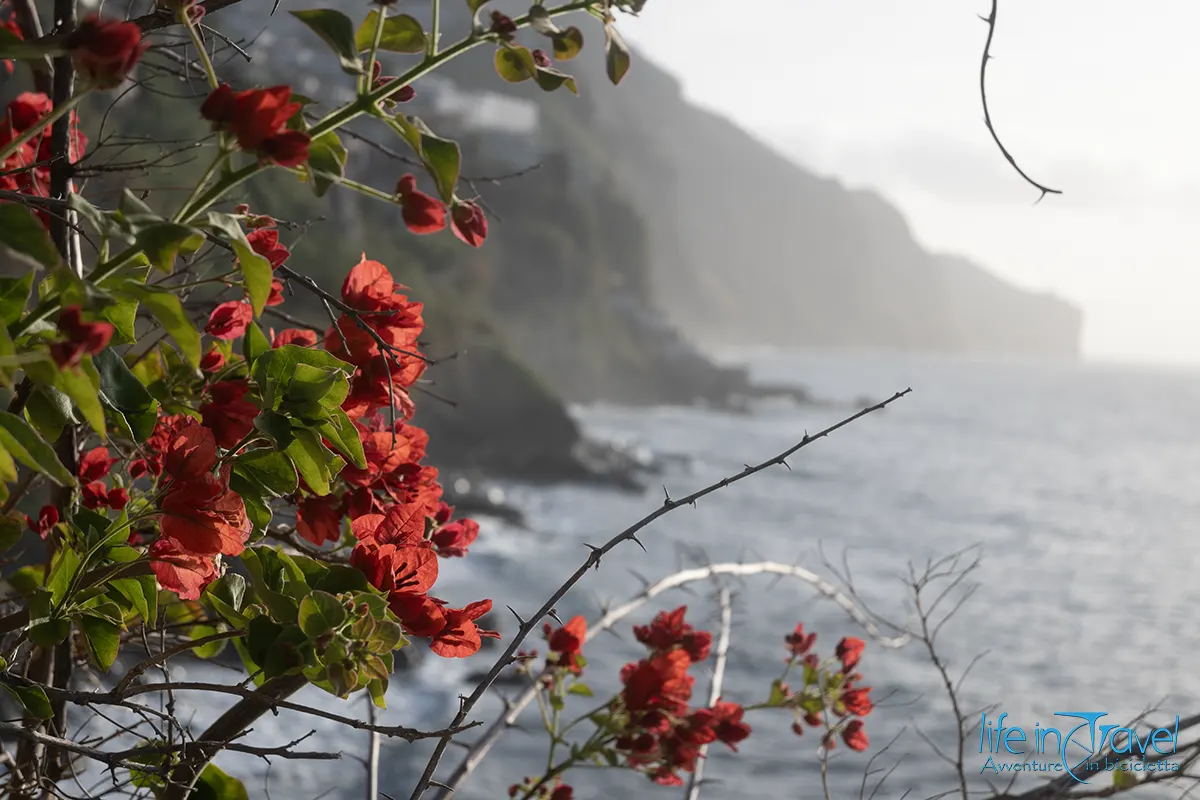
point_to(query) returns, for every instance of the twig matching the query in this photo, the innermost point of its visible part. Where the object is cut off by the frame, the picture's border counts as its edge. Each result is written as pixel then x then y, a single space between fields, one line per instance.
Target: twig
pixel 987 115
pixel 372 754
pixel 714 689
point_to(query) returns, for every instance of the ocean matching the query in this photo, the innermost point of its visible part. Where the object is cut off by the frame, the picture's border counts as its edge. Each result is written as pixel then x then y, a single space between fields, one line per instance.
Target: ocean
pixel 1076 485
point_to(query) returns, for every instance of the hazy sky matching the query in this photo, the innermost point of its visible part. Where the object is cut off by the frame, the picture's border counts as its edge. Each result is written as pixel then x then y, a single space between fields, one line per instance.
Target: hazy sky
pixel 1090 96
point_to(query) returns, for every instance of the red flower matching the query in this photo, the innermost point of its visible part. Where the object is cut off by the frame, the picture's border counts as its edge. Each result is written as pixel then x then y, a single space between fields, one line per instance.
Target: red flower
pixel 849 650
pixel 118 498
pixel 95 465
pixel 47 519
pixel 26 109
pixel 857 701
pixel 213 361
pixel 94 495
pixel 798 643
pixel 105 51
pixel 660 682
pixel 503 26
pixel 542 58
pixel 229 320
pixel 205 517
pixel 468 222
pixel 452 541
pixel 179 571
pixel 669 630
pixel 460 637
pixel 229 415
pixel 155 448
pixel 191 450
pixel 566 645
pixel 265 242
pixel 258 120
pixel 814 719
pixel 854 736
pixel 728 725
pixel 276 296
pixel 319 520
pixel 563 792
pixel 14 29
pixel 421 212
pixel 82 338
pixel 297 336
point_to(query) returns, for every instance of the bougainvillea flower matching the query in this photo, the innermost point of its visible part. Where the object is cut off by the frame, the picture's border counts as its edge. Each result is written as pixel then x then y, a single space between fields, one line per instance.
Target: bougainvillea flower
pixel 205 517
pixel 422 213
pixel 105 51
pixel 849 650
pixel 47 518
pixel 728 725
pixel 453 539
pixel 857 701
pixel 855 737
pixel 191 451
pixel 276 296
pixel 95 464
pixel 258 118
pixel 11 27
pixel 669 630
pixel 460 637
pixel 213 361
pixel 229 320
pixel 319 520
pixel 229 415
pixel 468 222
pixel 82 338
pixel 798 643
pixel 265 242
pixel 566 645
pixel 297 336
pixel 660 682
pixel 155 448
pixel 180 571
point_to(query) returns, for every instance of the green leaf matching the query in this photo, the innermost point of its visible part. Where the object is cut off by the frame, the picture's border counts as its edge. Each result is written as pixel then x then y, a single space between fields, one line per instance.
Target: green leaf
pixel 401 34
pixel 581 689
pixel 326 161
pixel 215 784
pixel 82 385
pixel 134 590
pixel 169 312
pixel 8 467
pixel 337 31
pixel 274 370
pixel 277 427
pixel 227 597
pixel 11 530
pixel 62 571
pixel 256 270
pixel 320 613
pixel 443 159
pixel 260 637
pixel 163 241
pixel 475 5
pixel 25 445
pixel 33 699
pixel 616 54
pixel 313 460
pixel 103 638
pixel 254 343
pixel 342 434
pixel 49 411
pixel 269 469
pixel 23 235
pixel 123 316
pixel 309 384
pixel 551 79
pixel 378 689
pixel 541 21
pixel 50 633
pixel 515 64
pixel 124 392
pixel 210 650
pixel 14 294
pixel 386 637
pixel 568 44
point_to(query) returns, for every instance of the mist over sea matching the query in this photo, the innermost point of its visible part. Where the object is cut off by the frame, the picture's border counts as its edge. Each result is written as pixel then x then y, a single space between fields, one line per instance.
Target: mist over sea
pixel 1081 483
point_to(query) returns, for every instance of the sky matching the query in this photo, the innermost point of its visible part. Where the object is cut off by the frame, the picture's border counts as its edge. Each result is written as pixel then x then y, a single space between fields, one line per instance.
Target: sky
pixel 1089 97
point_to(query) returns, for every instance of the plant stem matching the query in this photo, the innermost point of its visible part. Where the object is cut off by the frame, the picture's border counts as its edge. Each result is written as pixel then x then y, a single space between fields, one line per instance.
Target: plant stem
pixel 222 155
pixel 435 31
pixel 194 34
pixel 365 83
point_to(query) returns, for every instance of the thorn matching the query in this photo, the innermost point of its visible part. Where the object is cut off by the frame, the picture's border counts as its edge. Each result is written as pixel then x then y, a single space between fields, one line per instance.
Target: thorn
pixel 596 551
pixel 784 462
pixel 520 620
pixel 668 501
pixel 639 543
pixel 440 785
pixel 553 614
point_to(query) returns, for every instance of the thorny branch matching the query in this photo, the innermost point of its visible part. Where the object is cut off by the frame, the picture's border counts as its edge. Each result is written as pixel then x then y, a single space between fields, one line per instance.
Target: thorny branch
pixel 593 561
pixel 725 601
pixel 990 19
